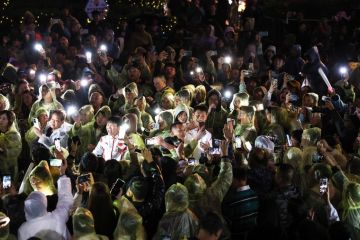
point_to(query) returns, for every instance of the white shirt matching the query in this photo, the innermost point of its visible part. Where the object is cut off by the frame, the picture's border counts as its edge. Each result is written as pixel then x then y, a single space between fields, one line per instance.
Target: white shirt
pixel 207 138
pixel 61 133
pixel 52 224
pixel 110 147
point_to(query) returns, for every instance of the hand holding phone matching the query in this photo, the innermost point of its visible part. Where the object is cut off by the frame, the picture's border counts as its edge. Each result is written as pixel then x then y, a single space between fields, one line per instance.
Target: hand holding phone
pixel 323 185
pixel 6 181
pixel 117 187
pixel 57 144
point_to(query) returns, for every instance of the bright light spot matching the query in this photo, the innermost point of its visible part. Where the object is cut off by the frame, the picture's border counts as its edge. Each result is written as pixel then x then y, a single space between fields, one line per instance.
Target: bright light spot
pixel 42 78
pixel 157 110
pixel 88 55
pixel 191 72
pixel 71 110
pixel 32 72
pixel 38 47
pixel 198 70
pixel 84 82
pixel 242 6
pixel 227 59
pixel 103 48
pixel 343 70
pixel 228 94
pixel 125 126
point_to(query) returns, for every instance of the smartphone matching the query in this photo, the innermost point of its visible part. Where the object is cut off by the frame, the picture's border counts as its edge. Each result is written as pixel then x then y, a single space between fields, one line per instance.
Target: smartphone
pixel 36 123
pixel 116 187
pixel 6 181
pixel 237 142
pixel 274 81
pixel 323 185
pixel 84 178
pixel 264 34
pixel 57 144
pixel 214 151
pixel 288 140
pixel 193 161
pixel 55 162
pixel 150 141
pixel 216 143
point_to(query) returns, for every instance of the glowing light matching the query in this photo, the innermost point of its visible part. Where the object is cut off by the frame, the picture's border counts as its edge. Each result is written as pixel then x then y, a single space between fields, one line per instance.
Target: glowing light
pixel 38 47
pixel 84 82
pixel 42 78
pixel 103 48
pixel 227 59
pixel 157 110
pixel 343 70
pixel 198 70
pixel 71 110
pixel 228 94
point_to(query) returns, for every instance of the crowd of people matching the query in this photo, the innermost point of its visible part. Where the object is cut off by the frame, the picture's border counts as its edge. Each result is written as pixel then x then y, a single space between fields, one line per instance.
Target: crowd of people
pixel 216 130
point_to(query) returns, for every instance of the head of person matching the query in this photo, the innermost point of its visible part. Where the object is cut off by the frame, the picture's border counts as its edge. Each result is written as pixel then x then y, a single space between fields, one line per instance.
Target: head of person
pixel 178 130
pixel 159 83
pixel 259 158
pixel 239 177
pixel 57 119
pixel 181 113
pixel 113 126
pixel 96 100
pixel 131 92
pixel 130 226
pixel 196 186
pixel 279 62
pixel 134 73
pixel 41 179
pixel 167 101
pixel 112 171
pixel 214 99
pixel 138 189
pixel 46 93
pixel 83 223
pixel 200 113
pixel 310 100
pixel 170 70
pixel 140 103
pixel 86 114
pixel 211 227
pixel 7 119
pixel 101 206
pixel 239 100
pixel 259 93
pixel 284 175
pixel 88 163
pixel 102 116
pixel 183 96
pixel 4 103
pixel 246 115
pixel 165 119
pixel 28 98
pixel 176 198
pixel 310 136
pixel 200 94
pixel 132 120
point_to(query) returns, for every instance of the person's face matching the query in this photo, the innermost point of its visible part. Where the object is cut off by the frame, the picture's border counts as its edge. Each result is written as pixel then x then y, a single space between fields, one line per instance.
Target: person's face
pixel 112 129
pixel 84 117
pixel 92 41
pixel 200 116
pixel 134 74
pixel 258 95
pixel 140 104
pixel 96 99
pixel 43 118
pixel 159 84
pixel 179 131
pixel 101 120
pixel 55 121
pixel 235 74
pixel 4 122
pixel 283 95
pixel 129 96
pixel 308 101
pixel 170 72
pixel 213 100
pixel 237 103
pixel 278 63
pixel 48 41
pixel 243 117
pixel 27 99
pixel 182 117
pixel 166 103
pixel 64 42
pixel 23 87
pixel 45 92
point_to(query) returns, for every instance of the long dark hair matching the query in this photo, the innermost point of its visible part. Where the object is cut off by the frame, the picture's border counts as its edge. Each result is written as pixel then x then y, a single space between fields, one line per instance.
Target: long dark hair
pixel 10 116
pixel 101 207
